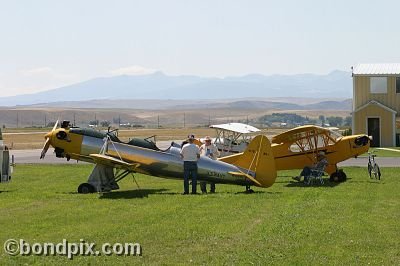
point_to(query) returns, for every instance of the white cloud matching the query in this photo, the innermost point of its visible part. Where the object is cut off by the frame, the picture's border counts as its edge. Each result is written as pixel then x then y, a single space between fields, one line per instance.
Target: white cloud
pixel 31 80
pixel 132 71
pixel 44 72
pixel 11 91
pixel 38 71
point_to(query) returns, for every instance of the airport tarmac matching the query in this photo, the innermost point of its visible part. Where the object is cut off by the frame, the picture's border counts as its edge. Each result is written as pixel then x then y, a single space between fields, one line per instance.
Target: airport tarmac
pixel 32 156
pixel 363 161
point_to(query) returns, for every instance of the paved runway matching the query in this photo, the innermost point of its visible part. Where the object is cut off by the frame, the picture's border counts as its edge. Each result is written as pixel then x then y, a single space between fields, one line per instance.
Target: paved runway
pixel 32 156
pixel 363 161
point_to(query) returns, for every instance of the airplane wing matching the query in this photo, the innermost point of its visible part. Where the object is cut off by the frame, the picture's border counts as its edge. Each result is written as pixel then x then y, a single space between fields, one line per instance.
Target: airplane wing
pixel 237 127
pixel 76 155
pixel 113 162
pixel 298 133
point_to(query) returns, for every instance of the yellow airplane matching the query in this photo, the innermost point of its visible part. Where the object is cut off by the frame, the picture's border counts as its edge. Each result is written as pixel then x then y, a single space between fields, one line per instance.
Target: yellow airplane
pixel 115 159
pixel 298 147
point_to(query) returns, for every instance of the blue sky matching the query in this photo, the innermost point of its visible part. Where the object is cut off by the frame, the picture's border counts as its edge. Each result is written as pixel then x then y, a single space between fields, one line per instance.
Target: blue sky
pixel 47 44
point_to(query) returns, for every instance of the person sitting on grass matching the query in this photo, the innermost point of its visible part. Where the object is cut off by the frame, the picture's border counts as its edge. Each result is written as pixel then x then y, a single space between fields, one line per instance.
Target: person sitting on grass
pixel 321 163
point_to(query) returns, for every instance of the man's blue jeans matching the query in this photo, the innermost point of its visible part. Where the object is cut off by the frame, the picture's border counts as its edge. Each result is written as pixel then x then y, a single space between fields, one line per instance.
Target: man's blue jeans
pixel 189 170
pixel 306 173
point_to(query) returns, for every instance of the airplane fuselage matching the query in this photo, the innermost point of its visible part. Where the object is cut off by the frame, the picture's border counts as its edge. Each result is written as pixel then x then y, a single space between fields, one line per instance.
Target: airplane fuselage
pixel 166 164
pixel 342 150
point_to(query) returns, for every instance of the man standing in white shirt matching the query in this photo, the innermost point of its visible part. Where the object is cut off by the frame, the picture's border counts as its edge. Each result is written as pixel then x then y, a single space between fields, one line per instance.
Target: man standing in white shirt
pixel 211 151
pixel 190 154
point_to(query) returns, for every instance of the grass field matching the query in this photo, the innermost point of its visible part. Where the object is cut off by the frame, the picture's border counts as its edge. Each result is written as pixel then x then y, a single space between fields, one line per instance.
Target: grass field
pixel 356 222
pixel 387 153
pixel 379 152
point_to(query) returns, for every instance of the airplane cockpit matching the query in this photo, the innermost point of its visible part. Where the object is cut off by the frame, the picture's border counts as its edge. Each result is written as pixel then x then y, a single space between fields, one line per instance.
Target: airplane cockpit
pixel 147 143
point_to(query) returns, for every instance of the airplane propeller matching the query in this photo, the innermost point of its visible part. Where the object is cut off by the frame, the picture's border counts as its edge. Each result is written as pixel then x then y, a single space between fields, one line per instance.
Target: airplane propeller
pixel 47 142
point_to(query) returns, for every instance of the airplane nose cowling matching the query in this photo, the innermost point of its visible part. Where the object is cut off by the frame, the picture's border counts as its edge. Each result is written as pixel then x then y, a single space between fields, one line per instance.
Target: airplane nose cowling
pixel 48 135
pixel 361 141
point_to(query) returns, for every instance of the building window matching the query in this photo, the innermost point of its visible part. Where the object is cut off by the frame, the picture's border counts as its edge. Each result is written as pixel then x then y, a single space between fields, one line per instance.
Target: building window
pixel 397 84
pixel 378 85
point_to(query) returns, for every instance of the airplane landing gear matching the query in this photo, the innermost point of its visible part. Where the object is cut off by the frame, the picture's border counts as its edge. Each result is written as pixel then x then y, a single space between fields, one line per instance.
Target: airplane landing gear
pixel 338 176
pixel 103 179
pixel 249 190
pixel 86 188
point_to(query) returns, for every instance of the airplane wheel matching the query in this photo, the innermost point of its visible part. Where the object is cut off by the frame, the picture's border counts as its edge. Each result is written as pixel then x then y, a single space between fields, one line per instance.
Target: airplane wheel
pixel 338 176
pixel 334 177
pixel 342 175
pixel 249 190
pixel 85 188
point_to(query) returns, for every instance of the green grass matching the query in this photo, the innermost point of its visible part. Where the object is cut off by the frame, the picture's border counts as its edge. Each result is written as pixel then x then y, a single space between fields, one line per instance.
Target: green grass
pixel 384 153
pixel 356 222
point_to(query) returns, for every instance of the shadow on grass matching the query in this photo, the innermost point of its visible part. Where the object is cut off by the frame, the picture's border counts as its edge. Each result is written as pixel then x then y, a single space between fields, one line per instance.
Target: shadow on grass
pixel 316 184
pixel 132 194
pixel 144 193
pixel 370 181
pixel 255 192
pixel 281 182
pixel 5 191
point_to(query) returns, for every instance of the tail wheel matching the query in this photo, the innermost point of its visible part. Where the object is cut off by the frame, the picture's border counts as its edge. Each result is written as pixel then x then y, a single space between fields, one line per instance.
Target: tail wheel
pixel 85 188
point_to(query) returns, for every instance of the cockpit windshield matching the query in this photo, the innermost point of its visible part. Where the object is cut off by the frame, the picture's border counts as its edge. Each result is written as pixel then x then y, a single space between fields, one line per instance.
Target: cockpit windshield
pixel 335 135
pixel 313 139
pixel 94 133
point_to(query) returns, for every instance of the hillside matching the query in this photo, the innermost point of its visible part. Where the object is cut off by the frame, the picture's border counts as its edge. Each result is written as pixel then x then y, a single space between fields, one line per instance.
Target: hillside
pixel 289 103
pixel 159 86
pixel 199 114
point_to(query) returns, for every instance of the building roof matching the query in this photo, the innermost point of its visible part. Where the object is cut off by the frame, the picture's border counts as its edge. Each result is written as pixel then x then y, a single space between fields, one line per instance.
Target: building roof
pixel 373 102
pixel 377 69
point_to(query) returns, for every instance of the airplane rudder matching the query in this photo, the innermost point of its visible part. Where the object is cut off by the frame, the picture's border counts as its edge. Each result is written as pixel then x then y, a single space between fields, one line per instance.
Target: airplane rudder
pixel 244 159
pixel 265 166
pixel 248 157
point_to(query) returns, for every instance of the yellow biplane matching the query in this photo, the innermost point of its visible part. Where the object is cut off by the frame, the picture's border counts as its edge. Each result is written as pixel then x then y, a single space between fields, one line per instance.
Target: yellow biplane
pixel 298 147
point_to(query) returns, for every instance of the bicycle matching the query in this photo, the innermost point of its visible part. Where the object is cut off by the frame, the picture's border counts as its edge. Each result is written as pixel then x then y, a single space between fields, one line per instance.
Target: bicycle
pixel 373 168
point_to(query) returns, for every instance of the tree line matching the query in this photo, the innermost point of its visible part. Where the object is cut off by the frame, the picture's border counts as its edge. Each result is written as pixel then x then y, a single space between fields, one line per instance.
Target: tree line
pixel 295 119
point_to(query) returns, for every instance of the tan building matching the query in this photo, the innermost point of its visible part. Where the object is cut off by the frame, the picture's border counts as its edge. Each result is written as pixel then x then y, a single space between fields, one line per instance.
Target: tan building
pixel 376 102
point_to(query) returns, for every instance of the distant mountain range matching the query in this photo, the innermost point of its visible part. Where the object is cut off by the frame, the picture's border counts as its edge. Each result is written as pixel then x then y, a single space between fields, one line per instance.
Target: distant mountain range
pixel 288 103
pixel 270 105
pixel 158 86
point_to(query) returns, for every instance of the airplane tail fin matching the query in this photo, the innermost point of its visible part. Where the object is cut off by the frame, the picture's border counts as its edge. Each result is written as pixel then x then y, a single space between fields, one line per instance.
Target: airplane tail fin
pixel 258 158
